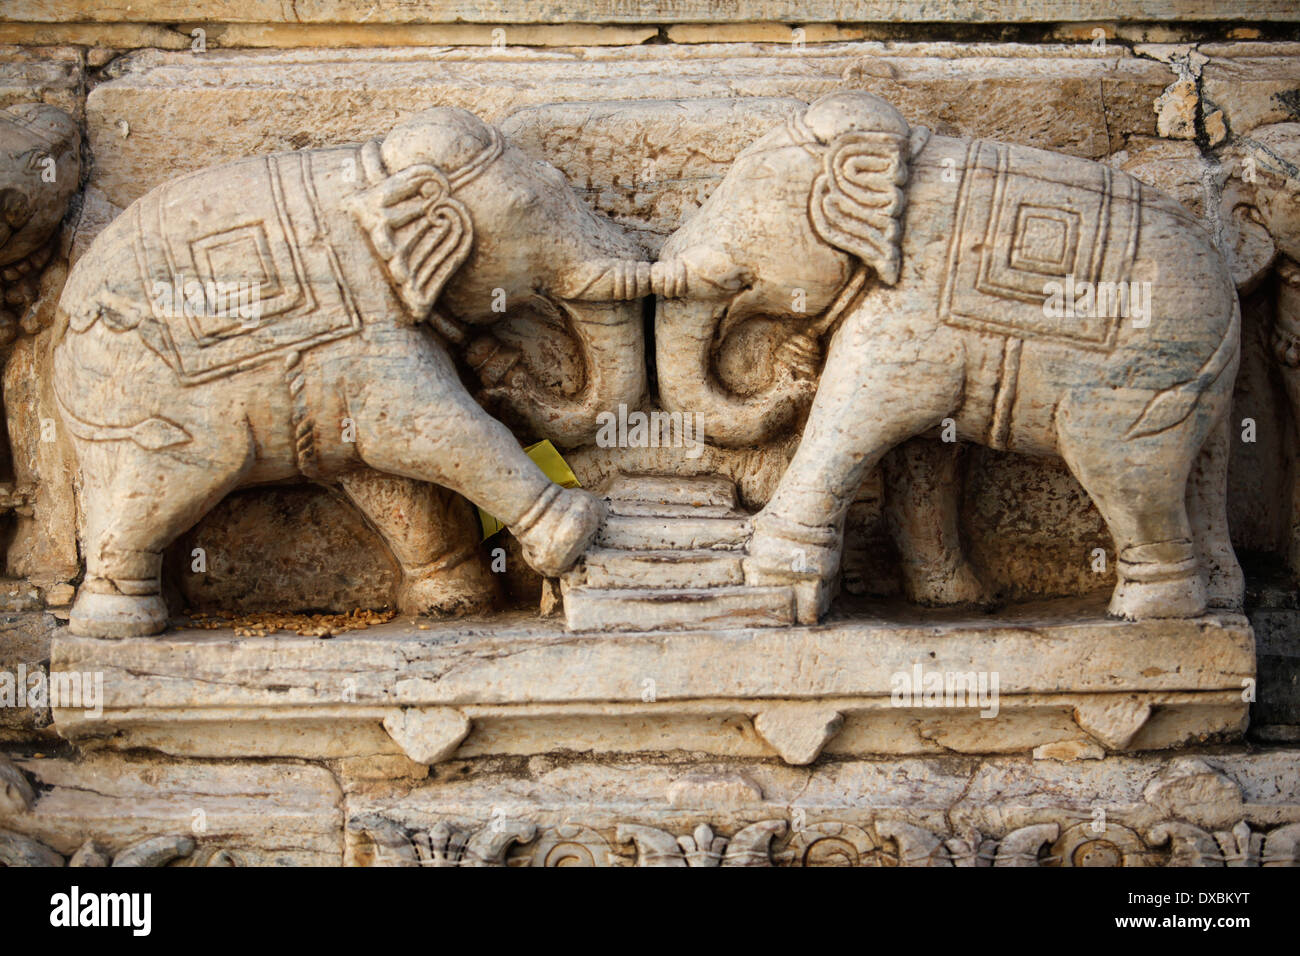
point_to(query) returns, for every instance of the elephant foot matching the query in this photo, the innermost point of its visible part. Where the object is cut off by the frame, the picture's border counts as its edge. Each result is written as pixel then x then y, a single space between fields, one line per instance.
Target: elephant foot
pixel 559 529
pixel 783 553
pixel 784 548
pixel 466 587
pixel 947 587
pixel 1159 589
pixel 96 614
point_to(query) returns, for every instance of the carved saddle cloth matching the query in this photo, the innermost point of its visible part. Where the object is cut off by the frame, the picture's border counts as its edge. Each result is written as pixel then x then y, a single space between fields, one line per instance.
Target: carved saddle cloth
pixel 256 239
pixel 1026 218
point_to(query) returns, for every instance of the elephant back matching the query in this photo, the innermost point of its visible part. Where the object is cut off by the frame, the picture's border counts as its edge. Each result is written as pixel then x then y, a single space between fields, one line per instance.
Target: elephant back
pixel 1023 220
pixel 234 263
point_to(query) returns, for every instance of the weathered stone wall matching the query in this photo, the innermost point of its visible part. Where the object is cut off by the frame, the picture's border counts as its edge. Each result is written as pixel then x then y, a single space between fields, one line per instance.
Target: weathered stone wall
pixel 1168 91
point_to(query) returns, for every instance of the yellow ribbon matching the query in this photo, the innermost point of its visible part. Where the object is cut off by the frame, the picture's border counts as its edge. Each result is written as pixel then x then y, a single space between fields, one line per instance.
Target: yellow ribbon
pixel 553 466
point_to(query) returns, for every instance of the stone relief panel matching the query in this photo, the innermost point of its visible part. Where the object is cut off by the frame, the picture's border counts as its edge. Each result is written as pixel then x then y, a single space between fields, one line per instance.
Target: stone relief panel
pixel 800 331
pixel 633 161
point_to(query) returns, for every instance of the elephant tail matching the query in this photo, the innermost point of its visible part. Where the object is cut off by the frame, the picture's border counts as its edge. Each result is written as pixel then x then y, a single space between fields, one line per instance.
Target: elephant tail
pixel 1174 404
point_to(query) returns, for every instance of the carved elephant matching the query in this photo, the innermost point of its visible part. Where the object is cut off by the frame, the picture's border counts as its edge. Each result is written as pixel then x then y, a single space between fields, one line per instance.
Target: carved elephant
pixel 40 170
pixel 1260 216
pixel 295 315
pixel 937 267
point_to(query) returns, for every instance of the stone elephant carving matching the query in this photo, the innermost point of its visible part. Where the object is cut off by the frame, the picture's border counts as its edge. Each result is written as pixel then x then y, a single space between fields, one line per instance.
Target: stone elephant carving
pixel 1260 215
pixel 294 315
pixel 950 277
pixel 40 170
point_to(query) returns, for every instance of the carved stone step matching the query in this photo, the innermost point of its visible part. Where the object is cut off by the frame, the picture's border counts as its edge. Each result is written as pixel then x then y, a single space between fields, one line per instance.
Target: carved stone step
pixel 647 609
pixel 613 568
pixel 685 532
pixel 659 509
pixel 702 491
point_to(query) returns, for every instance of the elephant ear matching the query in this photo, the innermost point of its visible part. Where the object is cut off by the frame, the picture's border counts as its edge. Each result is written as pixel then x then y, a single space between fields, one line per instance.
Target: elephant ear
pixel 1250 248
pixel 857 199
pixel 419 230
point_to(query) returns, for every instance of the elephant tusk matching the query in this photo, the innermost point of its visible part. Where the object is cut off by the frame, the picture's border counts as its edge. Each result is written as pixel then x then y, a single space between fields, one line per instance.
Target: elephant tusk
pixel 848 297
pixel 801 351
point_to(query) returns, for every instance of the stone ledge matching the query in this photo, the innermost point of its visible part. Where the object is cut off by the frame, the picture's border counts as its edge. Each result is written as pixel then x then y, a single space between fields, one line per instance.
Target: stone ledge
pixel 654 11
pixel 1068 685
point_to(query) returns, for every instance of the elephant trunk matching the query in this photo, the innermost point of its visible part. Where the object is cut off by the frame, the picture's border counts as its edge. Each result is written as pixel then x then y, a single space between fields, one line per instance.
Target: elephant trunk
pixel 604 280
pixel 684 334
pixel 611 340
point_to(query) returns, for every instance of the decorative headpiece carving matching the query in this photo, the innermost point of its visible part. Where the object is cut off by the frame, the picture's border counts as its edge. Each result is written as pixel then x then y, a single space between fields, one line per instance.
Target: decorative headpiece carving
pixel 856 201
pixel 419 229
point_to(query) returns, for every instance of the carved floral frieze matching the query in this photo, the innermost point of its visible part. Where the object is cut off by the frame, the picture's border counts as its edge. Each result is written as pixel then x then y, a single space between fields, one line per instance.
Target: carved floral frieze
pixel 376 841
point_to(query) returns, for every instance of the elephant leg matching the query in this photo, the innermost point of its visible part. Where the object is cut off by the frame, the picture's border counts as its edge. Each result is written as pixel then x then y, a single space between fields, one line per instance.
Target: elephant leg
pixel 1207 506
pixel 136 502
pixel 922 498
pixel 1139 486
pixel 878 390
pixel 434 535
pixel 415 419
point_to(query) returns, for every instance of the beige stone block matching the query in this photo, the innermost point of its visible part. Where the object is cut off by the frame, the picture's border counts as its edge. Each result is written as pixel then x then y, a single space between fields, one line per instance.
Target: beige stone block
pixel 764 33
pixel 260 814
pixel 1176 110
pixel 657 532
pixel 123 36
pixel 51 74
pixel 721 791
pixel 286 36
pixel 427 734
pixel 1252 84
pixel 1068 750
pixel 104 39
pixel 610 568
pixel 647 609
pixel 657 11
pixel 1068 99
pixel 798 732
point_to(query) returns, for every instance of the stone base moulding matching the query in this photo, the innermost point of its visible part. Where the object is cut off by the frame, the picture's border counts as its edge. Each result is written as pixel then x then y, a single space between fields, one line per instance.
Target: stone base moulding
pixel 1231 810
pixel 1058 680
pixel 1203 808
